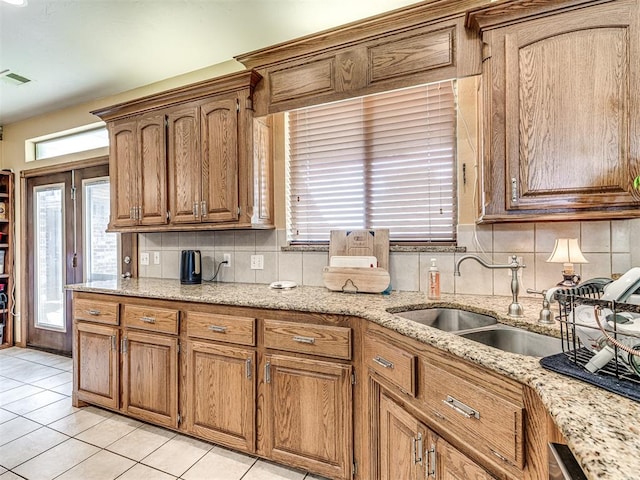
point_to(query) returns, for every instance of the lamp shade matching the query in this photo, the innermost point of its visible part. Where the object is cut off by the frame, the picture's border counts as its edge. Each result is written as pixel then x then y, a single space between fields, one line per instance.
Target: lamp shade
pixel 567 250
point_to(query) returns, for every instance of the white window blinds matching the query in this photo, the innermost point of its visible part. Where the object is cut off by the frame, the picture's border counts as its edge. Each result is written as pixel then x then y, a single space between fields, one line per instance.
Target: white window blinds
pixel 381 161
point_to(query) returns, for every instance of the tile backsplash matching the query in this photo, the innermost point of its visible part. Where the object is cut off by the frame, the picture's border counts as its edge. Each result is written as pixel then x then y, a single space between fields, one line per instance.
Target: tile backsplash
pixel 607 245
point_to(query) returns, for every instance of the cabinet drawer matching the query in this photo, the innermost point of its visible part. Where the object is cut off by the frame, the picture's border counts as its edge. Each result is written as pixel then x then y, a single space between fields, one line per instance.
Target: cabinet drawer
pixel 151 318
pixel 479 416
pixel 96 311
pixel 391 362
pixel 224 328
pixel 322 340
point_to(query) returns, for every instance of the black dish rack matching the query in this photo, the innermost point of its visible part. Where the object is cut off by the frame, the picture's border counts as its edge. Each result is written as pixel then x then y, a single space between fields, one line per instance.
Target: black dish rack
pixel 614 376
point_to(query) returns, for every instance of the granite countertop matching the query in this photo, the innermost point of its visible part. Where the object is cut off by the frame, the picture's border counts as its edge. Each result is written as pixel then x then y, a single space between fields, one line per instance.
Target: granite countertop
pixel 596 424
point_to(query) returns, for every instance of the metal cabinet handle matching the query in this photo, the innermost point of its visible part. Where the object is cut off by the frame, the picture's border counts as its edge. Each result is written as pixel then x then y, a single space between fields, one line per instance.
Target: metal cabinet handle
pixel 432 461
pixel 113 343
pixel 248 367
pixel 417 449
pixel 148 319
pixel 196 208
pixel 461 408
pixel 203 209
pixel 301 339
pixel 381 361
pixel 217 328
pixel 267 372
pixel 94 313
pixel 132 214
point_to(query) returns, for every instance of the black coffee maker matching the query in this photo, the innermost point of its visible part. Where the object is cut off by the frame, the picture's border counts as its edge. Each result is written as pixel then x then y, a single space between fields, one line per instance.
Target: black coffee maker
pixel 190 267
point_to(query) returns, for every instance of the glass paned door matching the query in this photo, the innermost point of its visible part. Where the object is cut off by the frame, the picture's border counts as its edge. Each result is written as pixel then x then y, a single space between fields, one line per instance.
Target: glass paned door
pixel 100 247
pixel 49 256
pixel 67 243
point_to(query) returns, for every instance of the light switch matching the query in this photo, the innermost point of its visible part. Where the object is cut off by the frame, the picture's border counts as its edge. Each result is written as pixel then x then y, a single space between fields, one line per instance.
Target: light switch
pixel 144 258
pixel 156 258
pixel 257 262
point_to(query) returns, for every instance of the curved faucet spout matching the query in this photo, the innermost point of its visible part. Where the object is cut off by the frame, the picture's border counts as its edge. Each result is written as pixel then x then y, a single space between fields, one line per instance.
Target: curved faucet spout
pixel 515 309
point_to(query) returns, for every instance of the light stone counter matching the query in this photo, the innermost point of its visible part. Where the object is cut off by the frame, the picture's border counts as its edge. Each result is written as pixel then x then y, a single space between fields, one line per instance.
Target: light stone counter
pixel 602 429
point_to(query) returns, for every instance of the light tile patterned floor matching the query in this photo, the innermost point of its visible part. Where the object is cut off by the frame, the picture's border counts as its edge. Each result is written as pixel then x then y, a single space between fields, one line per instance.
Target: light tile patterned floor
pixel 43 437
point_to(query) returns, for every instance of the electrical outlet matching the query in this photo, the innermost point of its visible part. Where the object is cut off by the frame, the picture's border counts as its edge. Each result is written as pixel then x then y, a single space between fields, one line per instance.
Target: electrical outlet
pixel 257 262
pixel 227 258
pixel 144 258
pixel 156 258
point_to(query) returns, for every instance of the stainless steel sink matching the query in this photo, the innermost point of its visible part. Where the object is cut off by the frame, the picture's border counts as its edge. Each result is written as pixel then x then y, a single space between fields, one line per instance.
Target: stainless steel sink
pixel 515 340
pixel 448 319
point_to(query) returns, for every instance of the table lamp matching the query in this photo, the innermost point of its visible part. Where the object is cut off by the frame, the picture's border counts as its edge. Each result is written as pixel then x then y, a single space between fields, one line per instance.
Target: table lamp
pixel 567 251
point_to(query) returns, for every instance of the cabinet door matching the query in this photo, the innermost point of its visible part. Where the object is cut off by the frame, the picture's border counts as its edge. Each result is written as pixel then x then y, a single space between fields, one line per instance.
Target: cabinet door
pixel 308 414
pixel 150 377
pixel 185 169
pixel 446 462
pixel 401 441
pixel 560 92
pixel 96 364
pixel 153 170
pixel 219 135
pixel 123 168
pixel 221 394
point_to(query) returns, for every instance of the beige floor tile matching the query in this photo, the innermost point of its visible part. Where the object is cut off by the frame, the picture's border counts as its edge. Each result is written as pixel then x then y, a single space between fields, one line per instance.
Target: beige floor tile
pixel 103 465
pixel 8 384
pixel 10 476
pixel 220 464
pixel 52 412
pixel 2 470
pixel 270 471
pixel 64 389
pixel 141 442
pixel 109 431
pixel 33 402
pixel 31 372
pixel 25 448
pixel 177 455
pixel 5 415
pixel 54 380
pixel 16 428
pixel 143 472
pixel 57 460
pixel 80 421
pixel 18 393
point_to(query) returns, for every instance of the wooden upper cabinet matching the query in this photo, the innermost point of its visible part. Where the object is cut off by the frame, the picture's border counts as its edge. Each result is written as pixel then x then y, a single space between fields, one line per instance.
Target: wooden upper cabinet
pixel 219 134
pixel 422 43
pixel 185 169
pixel 138 171
pixel 561 125
pixel 123 168
pixel 191 158
pixel 152 170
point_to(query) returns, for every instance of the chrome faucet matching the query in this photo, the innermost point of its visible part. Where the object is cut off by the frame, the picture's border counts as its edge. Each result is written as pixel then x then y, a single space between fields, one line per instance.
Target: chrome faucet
pixel 515 309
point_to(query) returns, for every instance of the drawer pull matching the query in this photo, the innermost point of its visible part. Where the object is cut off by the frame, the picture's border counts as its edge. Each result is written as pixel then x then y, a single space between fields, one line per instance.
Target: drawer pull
pixel 148 319
pixel 381 361
pixel 95 313
pixel 218 329
pixel 461 408
pixel 300 339
pixel 504 459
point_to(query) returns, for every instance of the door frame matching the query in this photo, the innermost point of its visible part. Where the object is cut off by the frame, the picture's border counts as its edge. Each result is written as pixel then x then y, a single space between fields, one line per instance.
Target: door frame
pixel 128 241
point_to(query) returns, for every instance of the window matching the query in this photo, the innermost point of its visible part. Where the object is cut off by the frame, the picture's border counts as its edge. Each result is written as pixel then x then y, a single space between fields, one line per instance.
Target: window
pixel 72 143
pixel 381 161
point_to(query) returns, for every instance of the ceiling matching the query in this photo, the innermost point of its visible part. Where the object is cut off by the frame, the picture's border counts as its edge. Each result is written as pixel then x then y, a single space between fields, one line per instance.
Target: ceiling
pixel 75 51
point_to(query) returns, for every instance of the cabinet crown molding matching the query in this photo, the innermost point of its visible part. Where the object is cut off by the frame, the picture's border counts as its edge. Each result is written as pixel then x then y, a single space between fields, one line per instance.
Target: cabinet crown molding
pixel 353 33
pixel 504 12
pixel 186 93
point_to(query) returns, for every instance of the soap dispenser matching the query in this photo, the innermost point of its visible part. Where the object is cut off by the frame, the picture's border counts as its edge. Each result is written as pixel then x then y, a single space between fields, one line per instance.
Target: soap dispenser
pixel 433 292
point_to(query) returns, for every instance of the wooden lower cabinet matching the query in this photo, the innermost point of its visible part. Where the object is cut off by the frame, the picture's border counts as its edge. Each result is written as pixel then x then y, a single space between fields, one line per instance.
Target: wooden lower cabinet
pixel 409 450
pixel 308 414
pixel 226 412
pixel 97 364
pixel 401 440
pixel 150 377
